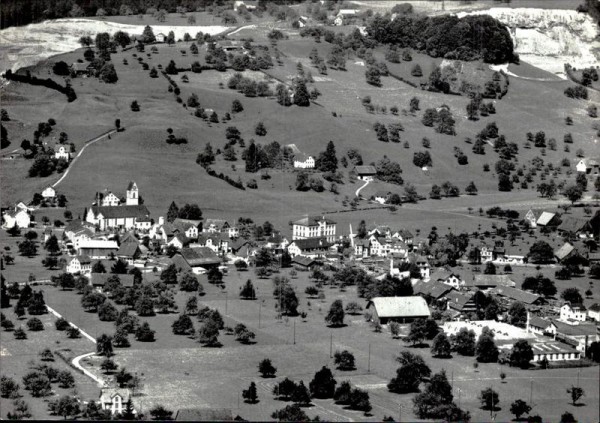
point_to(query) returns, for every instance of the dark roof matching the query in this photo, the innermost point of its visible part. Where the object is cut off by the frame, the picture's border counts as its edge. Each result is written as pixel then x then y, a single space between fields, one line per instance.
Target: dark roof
pixel 382 193
pixel 538 322
pixel 128 249
pixel 99 279
pixel 114 212
pixel 238 243
pixel 304 261
pixel 572 224
pixel 516 294
pixel 457 300
pixel 581 329
pixel 311 243
pixel 576 306
pixel 434 289
pixel 594 307
pixel 204 414
pixel 199 256
pixel 83 259
pixel 313 221
pixel 187 222
pixel 365 170
pixel 130 185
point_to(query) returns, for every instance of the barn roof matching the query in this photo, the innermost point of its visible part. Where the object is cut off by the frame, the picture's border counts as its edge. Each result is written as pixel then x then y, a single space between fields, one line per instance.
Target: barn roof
pixel 516 294
pixel 564 251
pixel 491 280
pixel 98 244
pixel 414 306
pixel 365 170
pixel 311 243
pixel 545 218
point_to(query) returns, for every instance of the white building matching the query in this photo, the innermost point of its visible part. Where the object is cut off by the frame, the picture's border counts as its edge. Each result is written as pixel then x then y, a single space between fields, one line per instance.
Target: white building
pixel 97 248
pixel 19 218
pixel 304 161
pixel 573 313
pixel 343 15
pixel 114 399
pixel 314 227
pixel 590 166
pixel 132 195
pixel 62 152
pixel 110 200
pixel 80 265
pixel 48 193
pixel 594 312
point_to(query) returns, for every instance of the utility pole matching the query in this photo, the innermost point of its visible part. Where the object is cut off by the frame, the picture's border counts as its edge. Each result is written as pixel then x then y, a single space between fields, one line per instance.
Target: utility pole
pixel 294 332
pixel 369 361
pixel 531 393
pixel 331 346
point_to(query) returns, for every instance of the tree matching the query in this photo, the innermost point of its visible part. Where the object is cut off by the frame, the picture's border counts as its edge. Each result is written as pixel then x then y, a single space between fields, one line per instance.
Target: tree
pixel 66 406
pixel 65 379
pixel 573 193
pixel 8 387
pixel 471 189
pixel 284 389
pixel 521 354
pixel 248 292
pixel 327 160
pixel 108 74
pixel 335 317
pixel 104 345
pixel 540 253
pixel 517 314
pixel 519 407
pixel 107 312
pixel 173 212
pixel 373 76
pixel 572 295
pixel 489 399
pixel 183 325
pixel 236 106
pixel 567 417
pixel 92 300
pixel 485 349
pixel 323 384
pixel 98 267
pixel 490 268
pixel 34 324
pixel 250 395
pixel 144 334
pixel 37 383
pixel 301 395
pixel 410 374
pixel 158 412
pixel 417 333
pixel 301 95
pixel 208 334
pixel 463 342
pixel 108 366
pixel 266 368
pixel 27 248
pixel 344 360
pixel 291 413
pixel 440 347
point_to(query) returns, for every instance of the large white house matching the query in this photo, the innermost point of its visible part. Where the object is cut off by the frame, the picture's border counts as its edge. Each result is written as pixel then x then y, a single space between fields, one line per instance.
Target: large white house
pixel 573 313
pixel 591 166
pixel 304 161
pixel 48 193
pixel 18 217
pixel 314 227
pixel 62 152
pixel 80 265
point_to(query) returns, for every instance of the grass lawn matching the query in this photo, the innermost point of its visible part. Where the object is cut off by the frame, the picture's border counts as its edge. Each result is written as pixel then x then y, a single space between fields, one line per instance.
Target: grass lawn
pixel 18 356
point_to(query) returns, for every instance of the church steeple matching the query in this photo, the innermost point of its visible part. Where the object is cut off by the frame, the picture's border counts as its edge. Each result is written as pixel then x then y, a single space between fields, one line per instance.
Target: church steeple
pixel 132 194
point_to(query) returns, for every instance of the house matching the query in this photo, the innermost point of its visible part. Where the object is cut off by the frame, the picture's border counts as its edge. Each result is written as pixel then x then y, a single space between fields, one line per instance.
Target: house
pixel 99 280
pixel 143 224
pixel 573 313
pixel 114 399
pixel 79 69
pixel 422 263
pixel 81 264
pixel 277 242
pixel 553 351
pixel 365 173
pixel 404 236
pixel 116 217
pixel 110 200
pixel 219 243
pixel 377 245
pixel 304 161
pixel 204 415
pixel 97 249
pixel 382 196
pixel 362 247
pixel 548 219
pixel 537 325
pixel 580 336
pixel 594 312
pixel 531 217
pixel 432 289
pixel 490 281
pixel 191 227
pixel 18 218
pixel 573 226
pixel 589 166
pixel 515 294
pixel 301 21
pixel 486 253
pixel 394 269
pixel 160 38
pixel 179 241
pixel 215 225
pixel 48 193
pixel 78 236
pixel 447 277
pixel 395 247
pixel 304 263
pixel 129 252
pixel 398 309
pixel 196 259
pixel 230 46
pixel 62 152
pixel 565 252
pixel 310 247
pixel 343 16
pixel 314 227
pixel 461 302
pixel 248 4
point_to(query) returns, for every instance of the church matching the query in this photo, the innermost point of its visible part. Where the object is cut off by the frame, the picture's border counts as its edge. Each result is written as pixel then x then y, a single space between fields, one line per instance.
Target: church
pixel 113 214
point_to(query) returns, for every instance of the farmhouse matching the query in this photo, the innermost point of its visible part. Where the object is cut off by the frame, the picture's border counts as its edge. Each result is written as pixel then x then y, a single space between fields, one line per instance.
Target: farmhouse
pixel 311 247
pixel 565 252
pixel 196 259
pixel 160 38
pixel 48 193
pixel 128 252
pixel 248 4
pixel 304 161
pixel 532 216
pixel 62 152
pixel 490 281
pixel 18 218
pixel 580 336
pixel 573 226
pixel 594 312
pixel 447 277
pixel 461 302
pixel 179 241
pixel 343 16
pixel 589 166
pixel 219 242
pixel 97 249
pixel 362 247
pixel 399 309
pixel 514 294
pixel 301 21
pixel 219 225
pixel 304 263
pixel 548 219
pixel 422 263
pixel 82 69
pixel 188 226
pixel 314 227
pixel 573 313
pixel 230 46
pixel 366 173
pixel 432 289
pixel 81 264
pixel 537 325
pixel 382 196
pixel 114 399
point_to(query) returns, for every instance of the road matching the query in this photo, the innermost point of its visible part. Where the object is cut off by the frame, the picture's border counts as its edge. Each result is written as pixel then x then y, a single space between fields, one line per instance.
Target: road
pixel 358 190
pixel 98 138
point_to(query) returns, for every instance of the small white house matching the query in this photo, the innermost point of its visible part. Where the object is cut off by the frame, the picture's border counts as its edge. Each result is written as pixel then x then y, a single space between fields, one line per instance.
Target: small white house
pixel 382 196
pixel 110 200
pixel 304 161
pixel 62 152
pixel 160 37
pixel 343 15
pixel 49 193
pixel 114 399
pixel 19 218
pixel 588 166
pixel 80 265
pixel 594 312
pixel 573 313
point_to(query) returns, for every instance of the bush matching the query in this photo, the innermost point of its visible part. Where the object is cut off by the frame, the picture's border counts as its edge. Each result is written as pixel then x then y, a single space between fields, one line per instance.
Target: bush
pixel 34 324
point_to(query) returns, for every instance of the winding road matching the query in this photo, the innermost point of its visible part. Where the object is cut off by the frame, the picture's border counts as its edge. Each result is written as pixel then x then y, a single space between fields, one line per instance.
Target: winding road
pixel 98 138
pixel 358 190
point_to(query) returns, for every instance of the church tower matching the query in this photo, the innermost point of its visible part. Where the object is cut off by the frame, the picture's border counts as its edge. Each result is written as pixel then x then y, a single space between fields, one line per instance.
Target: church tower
pixel 132 194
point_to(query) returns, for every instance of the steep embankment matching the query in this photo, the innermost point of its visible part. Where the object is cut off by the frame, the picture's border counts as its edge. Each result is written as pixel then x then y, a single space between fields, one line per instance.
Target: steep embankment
pixel 550 38
pixel 27 45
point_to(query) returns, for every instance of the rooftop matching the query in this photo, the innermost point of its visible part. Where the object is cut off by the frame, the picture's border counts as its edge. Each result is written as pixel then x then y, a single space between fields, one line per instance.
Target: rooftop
pixel 414 306
pixel 313 221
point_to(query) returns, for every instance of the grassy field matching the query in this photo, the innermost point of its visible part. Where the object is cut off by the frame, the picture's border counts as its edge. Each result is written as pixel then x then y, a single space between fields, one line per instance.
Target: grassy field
pixel 177 371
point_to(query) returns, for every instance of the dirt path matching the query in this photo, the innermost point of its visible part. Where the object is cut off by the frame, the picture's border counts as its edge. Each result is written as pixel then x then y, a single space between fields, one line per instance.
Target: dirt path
pixel 98 138
pixel 358 190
